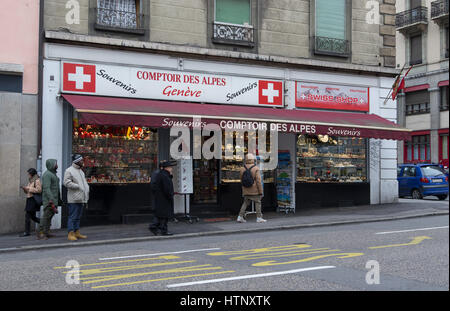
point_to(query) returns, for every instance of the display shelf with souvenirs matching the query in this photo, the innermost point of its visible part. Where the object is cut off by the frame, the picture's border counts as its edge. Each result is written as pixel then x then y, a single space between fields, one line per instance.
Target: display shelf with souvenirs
pixel 116 154
pixel 324 158
pixel 230 167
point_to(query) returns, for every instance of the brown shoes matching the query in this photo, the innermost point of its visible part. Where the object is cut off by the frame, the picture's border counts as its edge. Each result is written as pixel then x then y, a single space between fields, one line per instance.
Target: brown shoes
pixel 78 235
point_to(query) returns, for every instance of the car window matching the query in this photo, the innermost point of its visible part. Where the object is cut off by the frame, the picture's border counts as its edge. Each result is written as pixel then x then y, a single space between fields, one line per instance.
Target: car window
pixel 409 171
pixel 432 171
pixel 399 171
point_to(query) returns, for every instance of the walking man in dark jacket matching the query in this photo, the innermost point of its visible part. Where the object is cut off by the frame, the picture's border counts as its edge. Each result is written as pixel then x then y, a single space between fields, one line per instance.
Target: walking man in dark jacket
pixel 163 193
pixel 51 198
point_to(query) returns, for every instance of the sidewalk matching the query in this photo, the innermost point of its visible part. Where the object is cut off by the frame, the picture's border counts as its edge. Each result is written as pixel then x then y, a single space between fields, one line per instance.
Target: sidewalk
pixel 276 221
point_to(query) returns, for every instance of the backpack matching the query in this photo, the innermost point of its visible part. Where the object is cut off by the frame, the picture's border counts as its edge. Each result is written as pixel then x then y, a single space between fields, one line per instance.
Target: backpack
pixel 247 178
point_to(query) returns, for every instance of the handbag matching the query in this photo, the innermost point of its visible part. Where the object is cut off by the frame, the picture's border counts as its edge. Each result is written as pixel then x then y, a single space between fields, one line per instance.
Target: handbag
pixel 37 197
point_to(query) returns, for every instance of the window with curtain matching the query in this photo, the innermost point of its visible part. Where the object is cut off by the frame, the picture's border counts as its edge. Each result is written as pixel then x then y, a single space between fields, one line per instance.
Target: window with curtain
pixel 418 149
pixel 233 11
pixel 118 13
pixel 331 19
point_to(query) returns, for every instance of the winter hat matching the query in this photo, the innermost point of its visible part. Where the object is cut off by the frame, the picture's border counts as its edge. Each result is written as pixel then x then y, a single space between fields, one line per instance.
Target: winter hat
pixel 76 158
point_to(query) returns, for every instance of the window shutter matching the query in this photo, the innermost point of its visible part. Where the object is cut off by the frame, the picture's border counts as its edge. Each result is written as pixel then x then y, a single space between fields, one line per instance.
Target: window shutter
pixel 416 49
pixel 415 3
pixel 330 19
pixel 233 11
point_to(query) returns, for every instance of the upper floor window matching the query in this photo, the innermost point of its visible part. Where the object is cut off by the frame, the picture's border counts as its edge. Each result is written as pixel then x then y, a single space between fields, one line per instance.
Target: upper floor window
pixel 415 48
pixel 119 14
pixel 331 28
pixel 417 102
pixel 233 22
pixel 233 12
pixel 444 99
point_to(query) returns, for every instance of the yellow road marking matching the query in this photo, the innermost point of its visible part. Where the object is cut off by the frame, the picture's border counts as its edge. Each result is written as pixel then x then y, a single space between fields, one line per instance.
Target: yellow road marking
pixel 274 263
pixel 284 254
pixel 261 250
pixel 163 279
pixel 122 261
pixel 175 270
pixel 123 268
pixel 415 240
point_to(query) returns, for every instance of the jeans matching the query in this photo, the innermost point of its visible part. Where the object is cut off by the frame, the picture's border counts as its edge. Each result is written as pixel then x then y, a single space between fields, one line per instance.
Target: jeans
pixel 247 200
pixel 75 212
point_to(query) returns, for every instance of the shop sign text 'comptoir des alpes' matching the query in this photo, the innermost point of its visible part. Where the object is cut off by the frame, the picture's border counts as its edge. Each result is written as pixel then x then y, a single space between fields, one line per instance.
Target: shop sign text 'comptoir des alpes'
pixel 121 81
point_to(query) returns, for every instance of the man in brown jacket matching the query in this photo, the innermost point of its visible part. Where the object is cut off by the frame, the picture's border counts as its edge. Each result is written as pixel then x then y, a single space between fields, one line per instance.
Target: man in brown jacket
pixel 254 192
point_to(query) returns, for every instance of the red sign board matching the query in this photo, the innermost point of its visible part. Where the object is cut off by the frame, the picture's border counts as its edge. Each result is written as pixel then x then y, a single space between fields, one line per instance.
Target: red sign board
pixel 327 96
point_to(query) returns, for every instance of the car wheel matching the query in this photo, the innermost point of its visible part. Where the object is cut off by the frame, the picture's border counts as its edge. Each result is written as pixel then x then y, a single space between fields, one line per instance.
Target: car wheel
pixel 442 197
pixel 416 194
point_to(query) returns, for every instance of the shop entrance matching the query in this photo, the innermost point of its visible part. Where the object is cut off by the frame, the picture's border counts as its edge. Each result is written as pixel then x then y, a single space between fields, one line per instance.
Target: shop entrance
pixel 205 176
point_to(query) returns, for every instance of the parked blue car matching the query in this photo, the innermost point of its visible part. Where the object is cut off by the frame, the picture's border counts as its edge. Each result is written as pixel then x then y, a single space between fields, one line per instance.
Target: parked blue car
pixel 420 180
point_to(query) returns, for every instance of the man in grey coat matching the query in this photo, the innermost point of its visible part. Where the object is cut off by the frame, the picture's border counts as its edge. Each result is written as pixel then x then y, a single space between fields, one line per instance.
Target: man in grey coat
pixel 77 196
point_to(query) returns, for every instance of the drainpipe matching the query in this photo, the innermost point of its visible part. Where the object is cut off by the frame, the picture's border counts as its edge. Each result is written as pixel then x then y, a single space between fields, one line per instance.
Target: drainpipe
pixel 40 84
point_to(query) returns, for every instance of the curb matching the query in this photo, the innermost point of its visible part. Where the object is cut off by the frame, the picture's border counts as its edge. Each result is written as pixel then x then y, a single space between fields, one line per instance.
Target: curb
pixel 212 233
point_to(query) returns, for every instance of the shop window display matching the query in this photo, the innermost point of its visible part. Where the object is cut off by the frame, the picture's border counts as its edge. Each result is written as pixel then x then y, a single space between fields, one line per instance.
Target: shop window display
pixel 324 158
pixel 230 167
pixel 116 154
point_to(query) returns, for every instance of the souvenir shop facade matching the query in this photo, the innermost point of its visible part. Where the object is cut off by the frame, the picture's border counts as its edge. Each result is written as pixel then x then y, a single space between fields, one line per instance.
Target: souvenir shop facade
pixel 336 145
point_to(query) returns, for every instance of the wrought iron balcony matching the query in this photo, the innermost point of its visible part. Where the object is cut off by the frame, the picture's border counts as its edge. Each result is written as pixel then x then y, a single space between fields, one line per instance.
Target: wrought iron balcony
pixel 233 34
pixel 411 19
pixel 331 46
pixel 439 10
pixel 119 20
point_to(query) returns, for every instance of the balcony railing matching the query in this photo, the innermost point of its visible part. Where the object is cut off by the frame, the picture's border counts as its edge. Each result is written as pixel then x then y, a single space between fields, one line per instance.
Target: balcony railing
pixel 411 17
pixel 119 20
pixel 439 9
pixel 331 46
pixel 233 34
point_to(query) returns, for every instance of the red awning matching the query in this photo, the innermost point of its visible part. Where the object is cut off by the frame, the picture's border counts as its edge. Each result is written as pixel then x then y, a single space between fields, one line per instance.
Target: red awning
pixel 157 113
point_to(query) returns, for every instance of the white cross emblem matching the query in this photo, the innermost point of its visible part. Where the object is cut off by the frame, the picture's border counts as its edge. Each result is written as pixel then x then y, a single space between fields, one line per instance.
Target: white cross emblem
pixel 303 96
pixel 79 78
pixel 270 93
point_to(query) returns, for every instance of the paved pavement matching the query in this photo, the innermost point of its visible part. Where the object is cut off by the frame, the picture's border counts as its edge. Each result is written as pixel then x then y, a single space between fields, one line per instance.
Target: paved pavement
pixel 405 208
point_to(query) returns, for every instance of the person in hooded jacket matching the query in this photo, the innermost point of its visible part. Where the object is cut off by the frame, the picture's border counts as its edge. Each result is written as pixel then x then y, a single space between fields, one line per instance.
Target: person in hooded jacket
pixel 164 193
pixel 51 198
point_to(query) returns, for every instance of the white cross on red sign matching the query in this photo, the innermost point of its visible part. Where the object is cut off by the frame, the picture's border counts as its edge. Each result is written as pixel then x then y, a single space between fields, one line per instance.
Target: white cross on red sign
pixel 79 78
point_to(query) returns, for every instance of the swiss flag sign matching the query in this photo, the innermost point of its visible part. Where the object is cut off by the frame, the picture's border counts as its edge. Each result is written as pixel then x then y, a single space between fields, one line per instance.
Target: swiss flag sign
pixel 270 93
pixel 78 78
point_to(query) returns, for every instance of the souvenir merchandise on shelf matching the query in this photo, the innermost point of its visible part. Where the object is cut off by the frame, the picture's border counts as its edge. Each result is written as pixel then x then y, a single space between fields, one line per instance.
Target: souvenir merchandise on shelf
pixel 284 174
pixel 230 169
pixel 324 158
pixel 116 154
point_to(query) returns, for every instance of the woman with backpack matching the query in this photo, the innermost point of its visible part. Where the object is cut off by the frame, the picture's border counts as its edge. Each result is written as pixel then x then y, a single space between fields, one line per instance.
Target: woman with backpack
pixel 252 189
pixel 33 191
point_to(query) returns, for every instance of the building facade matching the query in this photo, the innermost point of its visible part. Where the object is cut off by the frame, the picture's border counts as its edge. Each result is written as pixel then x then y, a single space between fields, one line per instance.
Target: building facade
pixel 118 73
pixel 18 106
pixel 422 41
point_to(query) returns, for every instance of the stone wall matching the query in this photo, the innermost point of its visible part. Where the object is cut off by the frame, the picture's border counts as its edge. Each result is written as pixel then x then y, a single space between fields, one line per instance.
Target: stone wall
pixel 18 145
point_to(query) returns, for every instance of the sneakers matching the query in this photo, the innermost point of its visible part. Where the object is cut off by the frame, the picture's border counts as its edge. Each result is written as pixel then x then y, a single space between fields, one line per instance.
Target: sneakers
pixel 260 220
pixel 240 219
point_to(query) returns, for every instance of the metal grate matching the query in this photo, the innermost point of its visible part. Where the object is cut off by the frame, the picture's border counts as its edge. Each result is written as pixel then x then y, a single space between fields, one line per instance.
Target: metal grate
pixel 410 17
pixel 331 46
pixel 233 34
